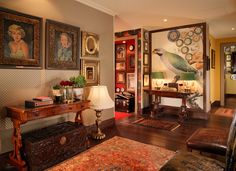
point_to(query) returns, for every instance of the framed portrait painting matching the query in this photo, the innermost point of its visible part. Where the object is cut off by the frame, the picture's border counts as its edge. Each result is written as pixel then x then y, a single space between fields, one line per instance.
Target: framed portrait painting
pixel 62 46
pixel 20 39
pixel 120 52
pixel 90 69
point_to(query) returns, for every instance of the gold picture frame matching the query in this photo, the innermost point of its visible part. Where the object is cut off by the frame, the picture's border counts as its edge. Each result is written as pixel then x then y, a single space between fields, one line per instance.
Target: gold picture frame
pixel 120 66
pixel 90 44
pixel 146 80
pixel 29 29
pixel 91 71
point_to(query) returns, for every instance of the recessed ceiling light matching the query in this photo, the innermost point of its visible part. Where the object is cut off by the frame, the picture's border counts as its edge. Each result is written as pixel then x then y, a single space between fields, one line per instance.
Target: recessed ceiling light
pixel 232 28
pixel 165 20
pixel 124 42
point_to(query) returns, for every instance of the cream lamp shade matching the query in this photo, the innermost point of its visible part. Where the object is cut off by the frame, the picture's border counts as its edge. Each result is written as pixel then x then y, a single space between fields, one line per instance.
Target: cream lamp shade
pixel 99 98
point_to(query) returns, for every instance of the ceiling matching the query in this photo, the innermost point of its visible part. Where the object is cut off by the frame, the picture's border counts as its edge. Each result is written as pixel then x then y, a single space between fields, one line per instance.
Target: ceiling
pixel 149 14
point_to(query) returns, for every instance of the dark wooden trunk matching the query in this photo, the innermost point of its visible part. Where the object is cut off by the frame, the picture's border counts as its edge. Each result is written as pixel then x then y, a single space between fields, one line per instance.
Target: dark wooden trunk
pixel 124 105
pixel 48 146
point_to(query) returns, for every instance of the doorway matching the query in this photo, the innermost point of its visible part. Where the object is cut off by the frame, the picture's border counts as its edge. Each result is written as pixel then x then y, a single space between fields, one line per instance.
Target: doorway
pixel 228 75
pixel 126 74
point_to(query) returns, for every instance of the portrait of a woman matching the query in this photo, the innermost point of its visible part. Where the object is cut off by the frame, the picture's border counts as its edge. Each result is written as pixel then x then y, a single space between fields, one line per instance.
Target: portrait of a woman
pixel 18 47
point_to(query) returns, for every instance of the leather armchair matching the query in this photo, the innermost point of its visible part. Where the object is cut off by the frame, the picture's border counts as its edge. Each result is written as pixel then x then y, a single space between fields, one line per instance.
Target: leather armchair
pixel 187 161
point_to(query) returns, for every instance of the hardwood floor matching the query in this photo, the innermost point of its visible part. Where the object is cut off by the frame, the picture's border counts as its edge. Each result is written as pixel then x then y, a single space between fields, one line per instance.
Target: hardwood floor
pixel 172 140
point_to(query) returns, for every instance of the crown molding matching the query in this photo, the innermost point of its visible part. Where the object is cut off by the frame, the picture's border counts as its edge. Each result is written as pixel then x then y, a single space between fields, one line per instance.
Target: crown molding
pixel 97 6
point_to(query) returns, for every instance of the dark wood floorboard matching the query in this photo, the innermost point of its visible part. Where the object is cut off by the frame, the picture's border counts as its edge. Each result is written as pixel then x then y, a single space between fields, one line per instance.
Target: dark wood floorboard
pixel 172 140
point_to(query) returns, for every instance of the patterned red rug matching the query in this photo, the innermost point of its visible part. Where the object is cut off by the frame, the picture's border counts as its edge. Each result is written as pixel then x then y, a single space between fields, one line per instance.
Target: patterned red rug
pixel 159 124
pixel 225 112
pixel 118 153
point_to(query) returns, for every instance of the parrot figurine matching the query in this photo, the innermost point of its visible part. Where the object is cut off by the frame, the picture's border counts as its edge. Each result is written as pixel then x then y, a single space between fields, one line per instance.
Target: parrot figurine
pixel 174 62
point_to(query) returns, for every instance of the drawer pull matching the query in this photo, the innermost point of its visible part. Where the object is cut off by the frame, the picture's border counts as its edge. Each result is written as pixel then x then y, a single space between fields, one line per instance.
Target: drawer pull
pixel 63 140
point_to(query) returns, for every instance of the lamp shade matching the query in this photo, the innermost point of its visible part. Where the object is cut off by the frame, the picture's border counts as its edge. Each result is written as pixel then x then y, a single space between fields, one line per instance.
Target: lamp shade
pixel 158 75
pixel 187 76
pixel 99 98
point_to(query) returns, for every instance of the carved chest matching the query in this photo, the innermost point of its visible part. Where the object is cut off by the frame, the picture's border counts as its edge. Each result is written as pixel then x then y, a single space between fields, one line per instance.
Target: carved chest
pixel 48 146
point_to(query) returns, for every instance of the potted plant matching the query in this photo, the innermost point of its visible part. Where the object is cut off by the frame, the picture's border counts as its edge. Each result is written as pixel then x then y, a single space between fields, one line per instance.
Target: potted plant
pixel 79 82
pixel 56 90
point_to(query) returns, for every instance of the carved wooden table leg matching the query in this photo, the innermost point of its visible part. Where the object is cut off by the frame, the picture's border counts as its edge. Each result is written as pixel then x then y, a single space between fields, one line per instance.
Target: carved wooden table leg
pixel 155 106
pixel 15 156
pixel 183 110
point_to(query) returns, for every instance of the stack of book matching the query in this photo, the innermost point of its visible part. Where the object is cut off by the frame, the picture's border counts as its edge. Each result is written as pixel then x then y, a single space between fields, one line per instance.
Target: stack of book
pixel 39 101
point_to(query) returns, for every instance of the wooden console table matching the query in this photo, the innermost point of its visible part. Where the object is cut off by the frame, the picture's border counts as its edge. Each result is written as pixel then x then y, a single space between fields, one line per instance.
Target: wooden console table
pixel 20 115
pixel 171 94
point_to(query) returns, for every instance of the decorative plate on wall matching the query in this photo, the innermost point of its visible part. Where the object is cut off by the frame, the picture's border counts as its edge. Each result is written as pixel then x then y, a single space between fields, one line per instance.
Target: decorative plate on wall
pixel 173 35
pixel 179 42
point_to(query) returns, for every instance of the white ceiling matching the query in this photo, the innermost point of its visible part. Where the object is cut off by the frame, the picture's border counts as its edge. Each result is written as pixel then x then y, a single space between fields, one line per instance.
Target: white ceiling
pixel 149 14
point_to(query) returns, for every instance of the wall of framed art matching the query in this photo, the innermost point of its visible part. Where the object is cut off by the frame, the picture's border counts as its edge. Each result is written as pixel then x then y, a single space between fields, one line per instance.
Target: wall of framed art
pixel 18 85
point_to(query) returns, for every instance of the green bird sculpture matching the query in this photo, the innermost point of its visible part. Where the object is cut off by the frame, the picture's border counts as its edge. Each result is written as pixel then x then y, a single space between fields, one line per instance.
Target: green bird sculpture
pixel 174 62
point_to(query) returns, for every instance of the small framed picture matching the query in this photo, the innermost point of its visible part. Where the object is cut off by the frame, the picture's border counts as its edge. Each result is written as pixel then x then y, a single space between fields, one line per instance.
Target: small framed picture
pixel 120 52
pixel 90 44
pixel 130 82
pixel 62 46
pixel 212 58
pixel 145 80
pixel 145 59
pixel 145 46
pixel 90 69
pixel 120 77
pixel 131 63
pixel 145 70
pixel 120 66
pixel 20 39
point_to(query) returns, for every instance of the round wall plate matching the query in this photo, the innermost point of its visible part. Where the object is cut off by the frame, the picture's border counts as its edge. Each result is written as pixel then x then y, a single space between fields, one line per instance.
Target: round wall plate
pixel 131 47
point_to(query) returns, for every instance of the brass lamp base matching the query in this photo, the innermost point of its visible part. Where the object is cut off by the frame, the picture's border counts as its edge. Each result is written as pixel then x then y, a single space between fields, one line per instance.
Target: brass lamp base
pixel 98 135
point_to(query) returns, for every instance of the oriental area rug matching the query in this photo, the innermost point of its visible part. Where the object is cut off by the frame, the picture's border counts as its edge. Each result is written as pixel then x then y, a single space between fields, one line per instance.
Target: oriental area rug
pixel 117 154
pixel 159 124
pixel 225 112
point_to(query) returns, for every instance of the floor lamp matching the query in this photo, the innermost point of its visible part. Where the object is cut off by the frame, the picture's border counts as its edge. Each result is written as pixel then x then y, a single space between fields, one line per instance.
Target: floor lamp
pixel 99 100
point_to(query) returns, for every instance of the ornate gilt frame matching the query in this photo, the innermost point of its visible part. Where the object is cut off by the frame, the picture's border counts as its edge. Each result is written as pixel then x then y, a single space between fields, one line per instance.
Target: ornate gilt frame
pixel 86 51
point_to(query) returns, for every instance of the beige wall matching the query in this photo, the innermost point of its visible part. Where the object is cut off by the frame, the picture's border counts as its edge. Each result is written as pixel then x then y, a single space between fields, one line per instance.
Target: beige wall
pixel 18 85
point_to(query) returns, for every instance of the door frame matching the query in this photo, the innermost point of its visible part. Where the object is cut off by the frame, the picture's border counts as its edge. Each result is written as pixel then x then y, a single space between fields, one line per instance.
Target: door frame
pixel 136 68
pixel 222 72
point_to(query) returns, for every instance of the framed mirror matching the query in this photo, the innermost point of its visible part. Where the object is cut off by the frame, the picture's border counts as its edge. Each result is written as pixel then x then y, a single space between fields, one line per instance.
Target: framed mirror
pixel 90 44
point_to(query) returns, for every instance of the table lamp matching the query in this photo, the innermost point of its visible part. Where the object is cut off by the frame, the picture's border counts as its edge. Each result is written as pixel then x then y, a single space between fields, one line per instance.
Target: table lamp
pixel 188 76
pixel 158 75
pixel 99 100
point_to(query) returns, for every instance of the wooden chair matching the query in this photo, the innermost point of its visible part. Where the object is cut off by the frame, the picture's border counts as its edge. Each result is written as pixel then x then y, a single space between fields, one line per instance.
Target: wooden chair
pixel 187 161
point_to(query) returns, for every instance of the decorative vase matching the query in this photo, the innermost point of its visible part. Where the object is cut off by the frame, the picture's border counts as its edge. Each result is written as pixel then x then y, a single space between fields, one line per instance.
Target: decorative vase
pixel 67 94
pixel 78 93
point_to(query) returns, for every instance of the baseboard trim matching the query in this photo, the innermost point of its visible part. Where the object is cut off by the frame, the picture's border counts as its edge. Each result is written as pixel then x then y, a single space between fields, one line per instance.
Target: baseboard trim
pixel 104 124
pixel 230 95
pixel 215 103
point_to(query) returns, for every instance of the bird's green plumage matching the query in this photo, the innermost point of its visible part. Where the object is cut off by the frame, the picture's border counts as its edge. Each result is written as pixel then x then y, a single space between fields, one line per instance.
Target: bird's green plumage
pixel 178 62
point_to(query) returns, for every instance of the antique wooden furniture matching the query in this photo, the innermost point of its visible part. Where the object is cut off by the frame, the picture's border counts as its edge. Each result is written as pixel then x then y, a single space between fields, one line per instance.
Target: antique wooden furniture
pixel 124 103
pixel 184 161
pixel 48 146
pixel 171 94
pixel 211 140
pixel 20 115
